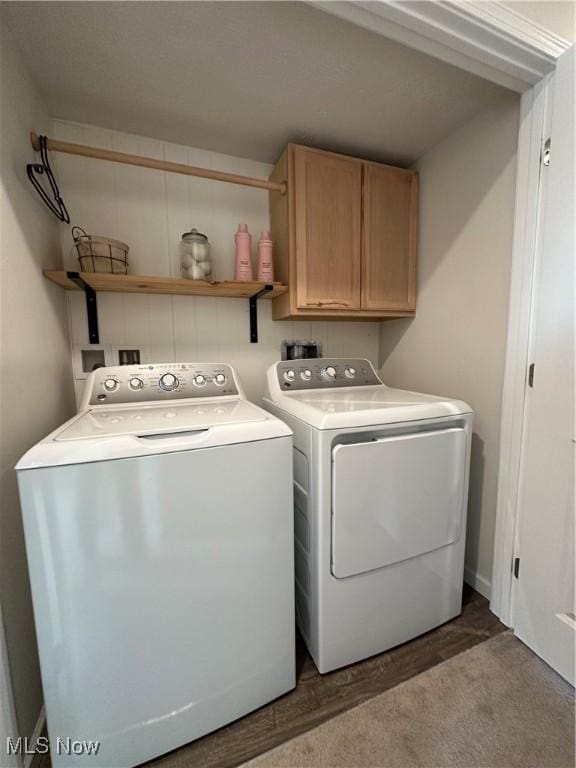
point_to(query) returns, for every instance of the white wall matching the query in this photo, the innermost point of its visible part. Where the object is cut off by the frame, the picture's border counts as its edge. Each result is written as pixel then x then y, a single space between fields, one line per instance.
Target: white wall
pixel 456 344
pixel 35 378
pixel 150 210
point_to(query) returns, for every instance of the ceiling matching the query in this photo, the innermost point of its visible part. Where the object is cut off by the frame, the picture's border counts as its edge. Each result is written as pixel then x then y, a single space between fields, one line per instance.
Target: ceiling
pixel 557 16
pixel 242 78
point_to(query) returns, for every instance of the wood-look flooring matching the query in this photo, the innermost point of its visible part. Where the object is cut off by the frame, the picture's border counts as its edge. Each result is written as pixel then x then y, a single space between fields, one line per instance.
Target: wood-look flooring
pixel 317 698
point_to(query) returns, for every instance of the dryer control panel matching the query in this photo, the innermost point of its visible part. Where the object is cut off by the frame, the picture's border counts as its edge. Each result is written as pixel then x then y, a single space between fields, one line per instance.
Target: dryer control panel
pixel 157 382
pixel 325 373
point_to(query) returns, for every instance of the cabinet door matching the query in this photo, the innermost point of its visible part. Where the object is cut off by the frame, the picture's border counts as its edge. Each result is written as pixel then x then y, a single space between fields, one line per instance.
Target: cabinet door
pixel 327 205
pixel 390 200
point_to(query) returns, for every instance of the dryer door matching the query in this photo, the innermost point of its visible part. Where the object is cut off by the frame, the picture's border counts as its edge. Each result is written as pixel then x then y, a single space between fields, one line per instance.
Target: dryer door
pixel 396 497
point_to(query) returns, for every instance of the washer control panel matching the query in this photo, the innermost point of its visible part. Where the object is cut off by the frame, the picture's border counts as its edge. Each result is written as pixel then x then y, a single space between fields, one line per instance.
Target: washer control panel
pixel 161 381
pixel 325 373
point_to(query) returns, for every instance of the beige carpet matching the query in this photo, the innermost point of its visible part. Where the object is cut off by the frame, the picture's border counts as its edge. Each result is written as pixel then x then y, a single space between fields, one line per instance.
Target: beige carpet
pixel 494 706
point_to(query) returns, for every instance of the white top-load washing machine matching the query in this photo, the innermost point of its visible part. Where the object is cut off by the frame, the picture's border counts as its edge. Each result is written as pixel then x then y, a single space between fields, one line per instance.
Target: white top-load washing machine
pixel 380 495
pixel 159 534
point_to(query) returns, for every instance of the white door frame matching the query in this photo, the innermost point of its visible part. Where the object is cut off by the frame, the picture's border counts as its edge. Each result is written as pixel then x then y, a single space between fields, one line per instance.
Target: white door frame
pixel 500 45
pixel 534 124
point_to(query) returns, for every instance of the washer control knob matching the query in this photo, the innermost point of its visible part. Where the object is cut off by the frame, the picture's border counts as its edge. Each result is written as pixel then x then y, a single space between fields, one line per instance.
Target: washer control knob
pixel 199 380
pixel 136 383
pixel 220 379
pixel 329 373
pixel 306 374
pixel 111 385
pixel 289 375
pixel 350 372
pixel 168 382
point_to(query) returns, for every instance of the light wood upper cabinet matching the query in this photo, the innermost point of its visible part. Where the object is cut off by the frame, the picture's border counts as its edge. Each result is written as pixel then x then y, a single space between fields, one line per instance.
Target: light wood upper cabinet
pixel 389 232
pixel 345 237
pixel 327 201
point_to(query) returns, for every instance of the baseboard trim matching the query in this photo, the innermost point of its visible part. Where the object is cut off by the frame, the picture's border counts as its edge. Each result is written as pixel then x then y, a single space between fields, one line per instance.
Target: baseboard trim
pixel 32 760
pixel 477 582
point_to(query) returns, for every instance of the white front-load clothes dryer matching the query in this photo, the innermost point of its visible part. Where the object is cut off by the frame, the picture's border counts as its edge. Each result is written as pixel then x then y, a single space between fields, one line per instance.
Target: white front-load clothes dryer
pixel 380 497
pixel 159 535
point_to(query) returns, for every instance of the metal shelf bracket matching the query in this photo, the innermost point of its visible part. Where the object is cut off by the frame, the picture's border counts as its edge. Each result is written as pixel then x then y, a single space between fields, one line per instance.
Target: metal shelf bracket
pixel 91 306
pixel 252 301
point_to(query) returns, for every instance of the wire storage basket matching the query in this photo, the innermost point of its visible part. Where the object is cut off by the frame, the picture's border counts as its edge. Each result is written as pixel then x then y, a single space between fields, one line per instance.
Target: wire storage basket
pixel 100 254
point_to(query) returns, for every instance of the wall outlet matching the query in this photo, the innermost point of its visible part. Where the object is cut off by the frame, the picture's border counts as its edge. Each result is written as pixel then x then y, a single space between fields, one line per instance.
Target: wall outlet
pixel 128 357
pixel 300 350
pixel 129 354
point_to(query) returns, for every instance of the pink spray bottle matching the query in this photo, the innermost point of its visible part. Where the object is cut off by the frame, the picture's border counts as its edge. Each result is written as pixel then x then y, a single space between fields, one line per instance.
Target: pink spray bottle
pixel 265 263
pixel 243 248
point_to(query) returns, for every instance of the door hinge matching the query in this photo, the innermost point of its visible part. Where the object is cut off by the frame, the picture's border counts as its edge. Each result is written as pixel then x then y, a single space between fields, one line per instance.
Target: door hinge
pixel 516 568
pixel 546 152
pixel 531 375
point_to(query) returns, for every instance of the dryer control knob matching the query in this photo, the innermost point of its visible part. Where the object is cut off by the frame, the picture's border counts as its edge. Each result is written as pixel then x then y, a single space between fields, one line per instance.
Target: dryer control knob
pixel 350 372
pixel 220 379
pixel 168 382
pixel 289 375
pixel 199 380
pixel 136 383
pixel 306 374
pixel 111 385
pixel 329 373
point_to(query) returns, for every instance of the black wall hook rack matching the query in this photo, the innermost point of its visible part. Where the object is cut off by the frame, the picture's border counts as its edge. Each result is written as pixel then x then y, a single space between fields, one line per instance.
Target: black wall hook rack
pixel 35 171
pixel 91 306
pixel 253 307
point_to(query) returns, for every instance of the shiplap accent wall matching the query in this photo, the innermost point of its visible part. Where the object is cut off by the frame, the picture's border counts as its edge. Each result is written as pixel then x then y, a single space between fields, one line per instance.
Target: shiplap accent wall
pixel 150 210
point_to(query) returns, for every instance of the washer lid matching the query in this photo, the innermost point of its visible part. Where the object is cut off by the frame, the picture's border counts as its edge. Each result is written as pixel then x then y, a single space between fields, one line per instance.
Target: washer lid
pixel 103 434
pixel 365 406
pixel 159 419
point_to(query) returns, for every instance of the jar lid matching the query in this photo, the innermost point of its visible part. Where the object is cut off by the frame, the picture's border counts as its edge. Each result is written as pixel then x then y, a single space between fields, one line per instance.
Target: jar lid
pixel 194 235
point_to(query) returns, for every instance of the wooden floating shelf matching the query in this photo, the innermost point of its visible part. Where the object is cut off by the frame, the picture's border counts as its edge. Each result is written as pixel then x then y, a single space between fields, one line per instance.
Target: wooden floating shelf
pixel 95 282
pixel 101 282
